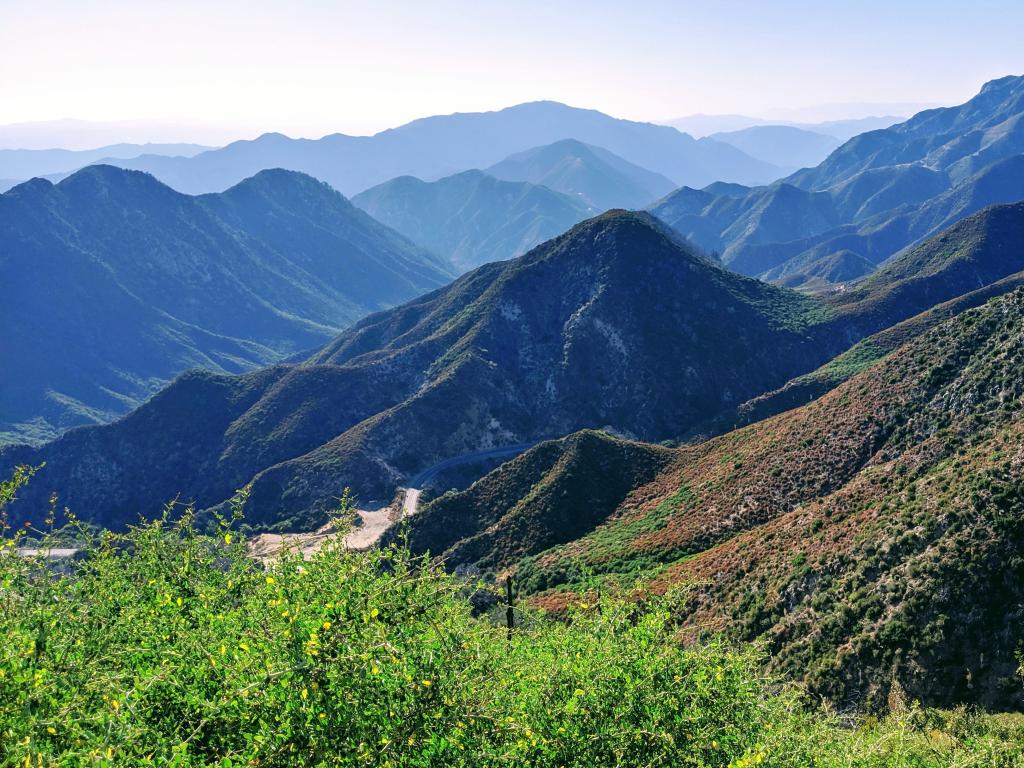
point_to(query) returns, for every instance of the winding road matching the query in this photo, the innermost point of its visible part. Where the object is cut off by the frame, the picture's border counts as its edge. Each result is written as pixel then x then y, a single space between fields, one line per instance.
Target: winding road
pixel 416 483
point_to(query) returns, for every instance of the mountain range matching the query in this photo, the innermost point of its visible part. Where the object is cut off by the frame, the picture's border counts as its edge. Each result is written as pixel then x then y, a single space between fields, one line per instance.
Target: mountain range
pixel 872 197
pixel 616 324
pixel 114 283
pixel 832 472
pixel 17 165
pixel 434 147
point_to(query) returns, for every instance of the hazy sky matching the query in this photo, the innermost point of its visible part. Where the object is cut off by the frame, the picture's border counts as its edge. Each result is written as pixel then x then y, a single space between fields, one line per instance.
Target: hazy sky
pixel 307 67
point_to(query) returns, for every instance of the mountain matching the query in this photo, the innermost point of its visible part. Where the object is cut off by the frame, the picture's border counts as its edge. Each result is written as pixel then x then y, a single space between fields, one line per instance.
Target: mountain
pixel 870 536
pixel 781 145
pixel 846 129
pixel 874 196
pixel 821 273
pixel 472 218
pixel 434 147
pixel 115 283
pixel 616 323
pixel 590 174
pixel 29 163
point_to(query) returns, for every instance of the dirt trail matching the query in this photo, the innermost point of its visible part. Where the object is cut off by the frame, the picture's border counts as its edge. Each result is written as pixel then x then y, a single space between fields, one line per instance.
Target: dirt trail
pixel 373 523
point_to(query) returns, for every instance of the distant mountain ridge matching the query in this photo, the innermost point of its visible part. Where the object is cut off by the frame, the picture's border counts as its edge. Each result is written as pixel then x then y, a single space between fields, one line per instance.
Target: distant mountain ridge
pixel 471 217
pixel 115 283
pixel 594 175
pixel 781 145
pixel 434 147
pixel 17 165
pixel 872 197
pixel 842 129
pixel 475 217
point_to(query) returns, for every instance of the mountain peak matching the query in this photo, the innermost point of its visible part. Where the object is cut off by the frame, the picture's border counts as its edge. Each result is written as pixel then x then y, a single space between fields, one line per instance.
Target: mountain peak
pixel 93 178
pixel 1002 83
pixel 280 178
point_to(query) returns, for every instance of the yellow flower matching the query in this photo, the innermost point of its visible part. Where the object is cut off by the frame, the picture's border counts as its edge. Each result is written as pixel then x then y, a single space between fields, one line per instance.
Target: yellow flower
pixel 427 683
pixel 305 694
pixel 227 538
pixel 374 613
pixel 326 625
pixel 374 669
pixel 270 580
pixel 115 704
pixel 51 730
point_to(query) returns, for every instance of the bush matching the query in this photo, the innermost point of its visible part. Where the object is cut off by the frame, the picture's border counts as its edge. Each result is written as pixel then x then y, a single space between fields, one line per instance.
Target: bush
pixel 167 647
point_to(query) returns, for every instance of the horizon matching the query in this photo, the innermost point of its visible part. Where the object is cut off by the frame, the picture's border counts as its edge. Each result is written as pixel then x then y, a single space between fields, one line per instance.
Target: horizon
pixel 312 68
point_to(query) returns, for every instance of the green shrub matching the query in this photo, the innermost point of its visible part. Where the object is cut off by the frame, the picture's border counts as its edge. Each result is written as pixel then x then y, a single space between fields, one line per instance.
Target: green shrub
pixel 167 647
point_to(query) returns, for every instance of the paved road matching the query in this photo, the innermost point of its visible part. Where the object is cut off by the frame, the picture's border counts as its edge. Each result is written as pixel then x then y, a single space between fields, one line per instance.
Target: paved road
pixel 416 483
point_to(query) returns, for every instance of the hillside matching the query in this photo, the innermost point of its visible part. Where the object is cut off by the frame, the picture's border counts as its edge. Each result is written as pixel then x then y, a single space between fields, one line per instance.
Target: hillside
pixel 556 493
pixel 593 175
pixel 472 218
pixel 434 147
pixel 114 283
pixel 877 194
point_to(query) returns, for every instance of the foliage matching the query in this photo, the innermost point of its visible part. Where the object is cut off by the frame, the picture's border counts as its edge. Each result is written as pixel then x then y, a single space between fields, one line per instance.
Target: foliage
pixel 163 646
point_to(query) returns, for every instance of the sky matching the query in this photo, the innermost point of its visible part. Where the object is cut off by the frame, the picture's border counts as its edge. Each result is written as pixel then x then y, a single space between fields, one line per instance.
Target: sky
pixel 310 67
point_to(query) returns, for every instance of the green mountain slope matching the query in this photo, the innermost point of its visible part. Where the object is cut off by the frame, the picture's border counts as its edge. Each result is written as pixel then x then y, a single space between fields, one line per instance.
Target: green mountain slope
pixel 114 283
